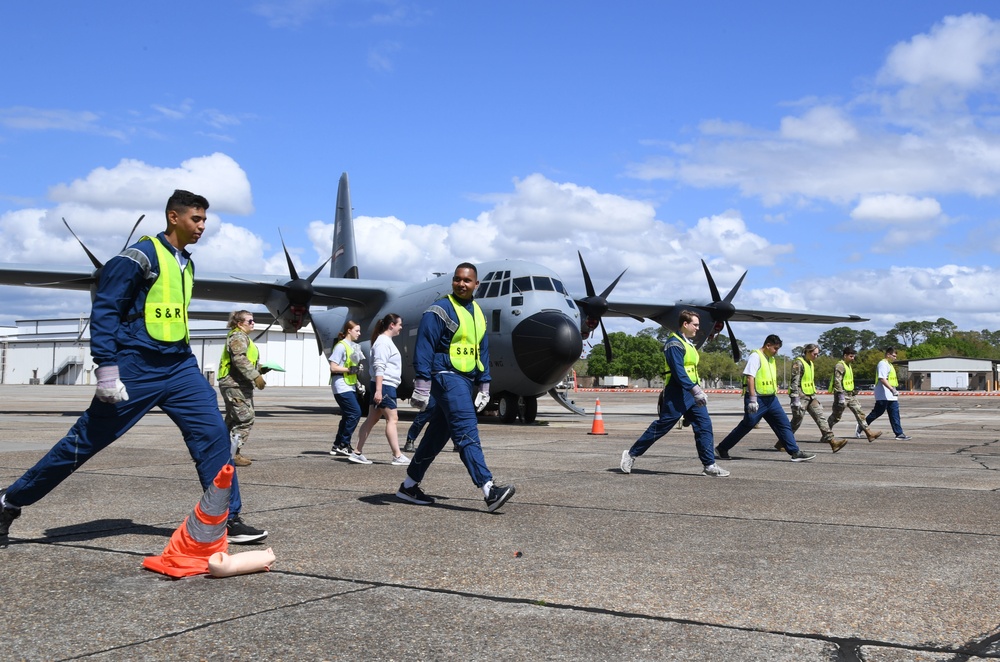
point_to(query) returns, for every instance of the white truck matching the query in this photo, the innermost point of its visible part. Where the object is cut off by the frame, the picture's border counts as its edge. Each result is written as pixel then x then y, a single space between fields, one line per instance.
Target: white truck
pixel 614 381
pixel 949 381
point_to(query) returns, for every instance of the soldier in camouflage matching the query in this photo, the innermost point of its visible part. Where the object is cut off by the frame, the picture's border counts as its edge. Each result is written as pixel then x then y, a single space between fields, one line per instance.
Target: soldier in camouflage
pixel 238 375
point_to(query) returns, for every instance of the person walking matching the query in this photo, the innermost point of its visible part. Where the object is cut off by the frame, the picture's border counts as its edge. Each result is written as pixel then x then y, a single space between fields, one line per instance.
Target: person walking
pixel 387 364
pixel 139 339
pixel 844 396
pixel 346 363
pixel 887 395
pixel 239 373
pixel 802 393
pixel 760 400
pixel 451 360
pixel 682 397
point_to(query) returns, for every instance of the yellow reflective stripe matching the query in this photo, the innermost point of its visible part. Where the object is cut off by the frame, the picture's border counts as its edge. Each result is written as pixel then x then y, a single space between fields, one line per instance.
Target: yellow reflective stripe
pixel 348 352
pixel 691 358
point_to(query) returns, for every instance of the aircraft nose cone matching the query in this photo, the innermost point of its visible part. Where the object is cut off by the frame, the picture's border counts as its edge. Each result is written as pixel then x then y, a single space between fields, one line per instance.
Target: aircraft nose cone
pixel 546 345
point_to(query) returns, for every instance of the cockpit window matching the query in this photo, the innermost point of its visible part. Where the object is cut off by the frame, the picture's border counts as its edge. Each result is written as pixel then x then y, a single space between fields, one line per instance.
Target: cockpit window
pixel 543 283
pixel 494 289
pixel 522 284
pixel 559 287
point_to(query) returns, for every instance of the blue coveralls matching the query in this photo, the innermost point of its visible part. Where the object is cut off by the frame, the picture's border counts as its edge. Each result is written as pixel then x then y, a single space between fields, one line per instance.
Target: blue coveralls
pixel 678 402
pixel 452 395
pixel 155 373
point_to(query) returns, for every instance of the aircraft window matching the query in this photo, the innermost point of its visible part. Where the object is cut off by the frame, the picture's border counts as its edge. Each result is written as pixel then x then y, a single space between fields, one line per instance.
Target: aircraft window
pixel 489 276
pixel 494 289
pixel 572 304
pixel 522 284
pixel 559 287
pixel 517 301
pixel 543 283
pixel 506 274
pixel 505 287
pixel 481 290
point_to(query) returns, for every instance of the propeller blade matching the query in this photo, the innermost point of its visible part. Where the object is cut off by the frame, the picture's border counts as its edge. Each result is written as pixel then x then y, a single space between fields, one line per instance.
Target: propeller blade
pixel 266 329
pixel 586 277
pixel 607 292
pixel 732 292
pixel 133 231
pixel 732 343
pixel 711 283
pixel 288 259
pixel 313 275
pixel 607 342
pixel 93 258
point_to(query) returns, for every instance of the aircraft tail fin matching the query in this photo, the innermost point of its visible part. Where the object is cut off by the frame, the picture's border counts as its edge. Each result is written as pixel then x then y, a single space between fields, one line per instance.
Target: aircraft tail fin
pixel 345 256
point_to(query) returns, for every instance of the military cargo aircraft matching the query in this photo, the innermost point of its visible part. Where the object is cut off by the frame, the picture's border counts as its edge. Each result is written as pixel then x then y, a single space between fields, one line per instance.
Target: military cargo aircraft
pixel 536 327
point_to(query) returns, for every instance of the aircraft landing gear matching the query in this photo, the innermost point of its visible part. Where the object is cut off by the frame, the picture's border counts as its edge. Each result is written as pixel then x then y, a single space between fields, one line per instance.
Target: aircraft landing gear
pixel 511 407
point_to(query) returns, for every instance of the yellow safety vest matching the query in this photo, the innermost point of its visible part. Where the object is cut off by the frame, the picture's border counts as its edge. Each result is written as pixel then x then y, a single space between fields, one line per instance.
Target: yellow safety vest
pixel 691 359
pixel 166 312
pixel 464 349
pixel 766 380
pixel 893 381
pixel 349 379
pixel 847 382
pixel 808 382
pixel 252 354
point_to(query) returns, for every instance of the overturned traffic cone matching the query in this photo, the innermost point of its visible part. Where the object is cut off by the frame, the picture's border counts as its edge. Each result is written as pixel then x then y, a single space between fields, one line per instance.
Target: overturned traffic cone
pixel 598 426
pixel 200 535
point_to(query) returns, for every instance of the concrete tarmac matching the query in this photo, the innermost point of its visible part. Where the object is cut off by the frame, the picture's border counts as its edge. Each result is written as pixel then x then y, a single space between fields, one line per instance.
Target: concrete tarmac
pixel 883 552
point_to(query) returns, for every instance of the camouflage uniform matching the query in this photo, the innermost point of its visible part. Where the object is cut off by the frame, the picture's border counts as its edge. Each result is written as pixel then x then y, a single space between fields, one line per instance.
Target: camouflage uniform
pixel 812 404
pixel 850 401
pixel 237 390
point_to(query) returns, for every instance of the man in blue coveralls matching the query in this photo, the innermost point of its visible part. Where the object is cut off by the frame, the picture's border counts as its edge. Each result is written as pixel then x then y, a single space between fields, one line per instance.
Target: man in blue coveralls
pixel 140 342
pixel 451 360
pixel 682 396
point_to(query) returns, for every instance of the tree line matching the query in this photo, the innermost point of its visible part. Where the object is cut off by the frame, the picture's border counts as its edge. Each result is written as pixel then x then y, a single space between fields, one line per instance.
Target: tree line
pixel 641 356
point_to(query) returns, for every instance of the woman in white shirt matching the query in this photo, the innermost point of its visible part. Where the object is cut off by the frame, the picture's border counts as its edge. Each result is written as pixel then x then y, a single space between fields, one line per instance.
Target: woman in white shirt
pixel 387 367
pixel 345 363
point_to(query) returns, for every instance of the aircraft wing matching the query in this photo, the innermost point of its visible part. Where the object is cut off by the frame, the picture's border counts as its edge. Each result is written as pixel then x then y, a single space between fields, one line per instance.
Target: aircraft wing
pixel 662 312
pixel 246 288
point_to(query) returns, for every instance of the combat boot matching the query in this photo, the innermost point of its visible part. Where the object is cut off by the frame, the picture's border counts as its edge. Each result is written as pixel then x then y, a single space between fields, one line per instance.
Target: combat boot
pixel 836 444
pixel 872 436
pixel 241 460
pixel 7 515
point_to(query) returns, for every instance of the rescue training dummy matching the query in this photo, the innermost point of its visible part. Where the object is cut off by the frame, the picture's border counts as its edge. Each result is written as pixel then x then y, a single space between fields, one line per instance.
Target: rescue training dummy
pixel 200 541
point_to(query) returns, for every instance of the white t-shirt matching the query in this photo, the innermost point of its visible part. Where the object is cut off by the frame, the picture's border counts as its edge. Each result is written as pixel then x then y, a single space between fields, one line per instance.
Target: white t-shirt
pixel 386 361
pixel 753 364
pixel 339 356
pixel 881 391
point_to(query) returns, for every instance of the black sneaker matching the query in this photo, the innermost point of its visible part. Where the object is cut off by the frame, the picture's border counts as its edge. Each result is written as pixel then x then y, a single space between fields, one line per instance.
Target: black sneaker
pixel 498 496
pixel 342 449
pixel 413 495
pixel 241 533
pixel 721 454
pixel 408 448
pixel 7 516
pixel 802 457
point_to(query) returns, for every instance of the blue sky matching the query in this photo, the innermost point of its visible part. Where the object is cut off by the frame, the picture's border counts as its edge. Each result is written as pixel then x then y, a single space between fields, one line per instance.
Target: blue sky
pixel 847 154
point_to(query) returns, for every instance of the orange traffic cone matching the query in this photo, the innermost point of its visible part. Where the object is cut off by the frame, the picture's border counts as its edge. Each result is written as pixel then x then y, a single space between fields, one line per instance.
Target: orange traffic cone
pixel 598 426
pixel 201 534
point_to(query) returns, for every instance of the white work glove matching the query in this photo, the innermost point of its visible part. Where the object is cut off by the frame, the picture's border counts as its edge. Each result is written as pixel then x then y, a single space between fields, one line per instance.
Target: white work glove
pixel 109 387
pixel 700 399
pixel 421 393
pixel 361 389
pixel 895 393
pixel 840 398
pixel 751 405
pixel 483 397
pixel 796 402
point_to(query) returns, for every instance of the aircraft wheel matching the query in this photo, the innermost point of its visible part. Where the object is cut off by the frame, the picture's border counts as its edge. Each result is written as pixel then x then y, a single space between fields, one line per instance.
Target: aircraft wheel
pixel 530 410
pixel 507 408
